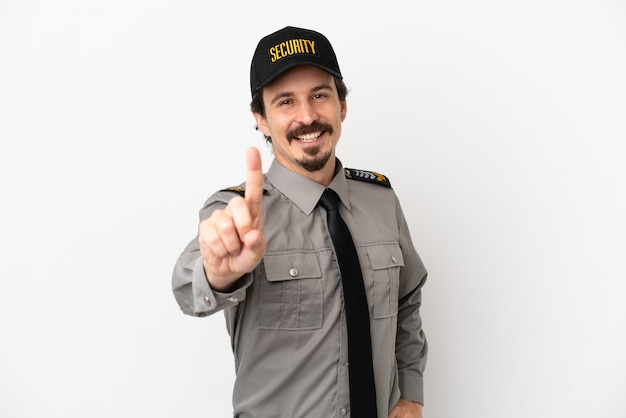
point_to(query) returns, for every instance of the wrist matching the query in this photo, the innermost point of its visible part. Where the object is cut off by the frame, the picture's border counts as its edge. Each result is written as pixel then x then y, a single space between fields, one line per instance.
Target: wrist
pixel 224 284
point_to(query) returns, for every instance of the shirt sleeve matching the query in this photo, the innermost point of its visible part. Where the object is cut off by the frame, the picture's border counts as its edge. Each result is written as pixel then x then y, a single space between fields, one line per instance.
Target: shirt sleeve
pixel 411 344
pixel 190 285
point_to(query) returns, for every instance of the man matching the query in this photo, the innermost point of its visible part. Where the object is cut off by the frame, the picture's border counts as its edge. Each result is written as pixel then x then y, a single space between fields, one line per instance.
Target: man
pixel 266 255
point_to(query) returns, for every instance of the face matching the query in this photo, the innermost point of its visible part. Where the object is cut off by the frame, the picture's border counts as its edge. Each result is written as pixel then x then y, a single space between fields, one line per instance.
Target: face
pixel 303 115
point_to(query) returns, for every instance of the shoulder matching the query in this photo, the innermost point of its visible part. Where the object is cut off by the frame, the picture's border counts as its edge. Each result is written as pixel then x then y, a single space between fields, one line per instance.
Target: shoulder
pixel 367 176
pixel 240 190
pixel 221 198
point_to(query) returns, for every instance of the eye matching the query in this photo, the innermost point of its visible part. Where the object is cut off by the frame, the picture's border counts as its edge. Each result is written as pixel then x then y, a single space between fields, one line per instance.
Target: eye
pixel 285 102
pixel 319 96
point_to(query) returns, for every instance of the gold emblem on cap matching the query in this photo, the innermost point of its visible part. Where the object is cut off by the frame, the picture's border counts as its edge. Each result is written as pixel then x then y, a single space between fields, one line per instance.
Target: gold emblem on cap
pixel 292 47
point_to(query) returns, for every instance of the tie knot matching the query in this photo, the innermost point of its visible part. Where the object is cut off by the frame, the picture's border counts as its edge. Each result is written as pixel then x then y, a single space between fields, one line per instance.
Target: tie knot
pixel 329 200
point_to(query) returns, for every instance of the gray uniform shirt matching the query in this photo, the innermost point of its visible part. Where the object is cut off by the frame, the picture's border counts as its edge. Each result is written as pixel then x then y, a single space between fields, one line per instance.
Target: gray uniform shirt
pixel 286 319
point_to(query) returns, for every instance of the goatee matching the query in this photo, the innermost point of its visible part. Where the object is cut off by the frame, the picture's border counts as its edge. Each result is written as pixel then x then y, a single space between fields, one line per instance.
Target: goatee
pixel 316 161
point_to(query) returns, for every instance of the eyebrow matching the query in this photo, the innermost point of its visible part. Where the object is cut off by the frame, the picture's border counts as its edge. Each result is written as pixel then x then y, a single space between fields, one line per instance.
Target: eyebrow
pixel 285 94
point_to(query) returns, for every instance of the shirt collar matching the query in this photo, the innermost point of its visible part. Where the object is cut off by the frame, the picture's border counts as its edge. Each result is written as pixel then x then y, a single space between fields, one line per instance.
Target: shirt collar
pixel 303 192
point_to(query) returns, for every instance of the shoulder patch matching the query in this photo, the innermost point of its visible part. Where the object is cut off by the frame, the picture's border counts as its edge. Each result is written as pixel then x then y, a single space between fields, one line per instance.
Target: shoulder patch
pixel 241 191
pixel 368 176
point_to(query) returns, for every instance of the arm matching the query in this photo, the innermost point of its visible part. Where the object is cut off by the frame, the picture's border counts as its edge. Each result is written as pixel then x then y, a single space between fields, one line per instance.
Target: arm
pixel 411 344
pixel 212 272
pixel 192 290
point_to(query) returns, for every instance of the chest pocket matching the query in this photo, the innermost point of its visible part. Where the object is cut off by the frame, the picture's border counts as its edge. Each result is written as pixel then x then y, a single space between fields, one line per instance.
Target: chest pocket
pixel 386 261
pixel 291 293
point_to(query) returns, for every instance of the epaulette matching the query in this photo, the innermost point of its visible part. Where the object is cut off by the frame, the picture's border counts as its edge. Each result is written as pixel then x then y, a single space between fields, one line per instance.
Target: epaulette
pixel 241 191
pixel 368 176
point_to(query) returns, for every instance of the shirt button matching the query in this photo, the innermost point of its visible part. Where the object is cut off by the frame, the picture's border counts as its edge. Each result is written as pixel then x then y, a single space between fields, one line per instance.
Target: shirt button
pixel 343 411
pixel 207 300
pixel 293 273
pixel 394 259
pixel 233 299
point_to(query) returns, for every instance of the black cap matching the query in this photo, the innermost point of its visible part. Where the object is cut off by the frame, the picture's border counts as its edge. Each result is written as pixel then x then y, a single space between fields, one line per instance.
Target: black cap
pixel 288 48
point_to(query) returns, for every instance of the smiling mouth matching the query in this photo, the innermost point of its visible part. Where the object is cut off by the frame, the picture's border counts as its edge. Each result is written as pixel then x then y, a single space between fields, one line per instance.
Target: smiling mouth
pixel 306 134
pixel 308 137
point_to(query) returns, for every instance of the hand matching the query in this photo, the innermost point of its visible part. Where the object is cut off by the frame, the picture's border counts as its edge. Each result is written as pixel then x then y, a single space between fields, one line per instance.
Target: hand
pixel 231 240
pixel 406 409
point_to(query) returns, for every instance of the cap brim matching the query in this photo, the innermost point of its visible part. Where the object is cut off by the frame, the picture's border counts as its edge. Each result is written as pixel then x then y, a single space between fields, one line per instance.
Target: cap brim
pixel 292 66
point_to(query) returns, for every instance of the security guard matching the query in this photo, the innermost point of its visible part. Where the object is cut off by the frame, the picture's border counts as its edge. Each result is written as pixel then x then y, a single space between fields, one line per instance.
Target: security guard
pixel 264 257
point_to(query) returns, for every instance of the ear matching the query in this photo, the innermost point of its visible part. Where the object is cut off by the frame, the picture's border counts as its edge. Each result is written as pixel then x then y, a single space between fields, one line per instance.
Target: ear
pixel 261 123
pixel 344 109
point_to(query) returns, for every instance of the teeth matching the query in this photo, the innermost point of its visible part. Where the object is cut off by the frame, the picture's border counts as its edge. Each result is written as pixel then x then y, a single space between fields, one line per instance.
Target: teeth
pixel 309 137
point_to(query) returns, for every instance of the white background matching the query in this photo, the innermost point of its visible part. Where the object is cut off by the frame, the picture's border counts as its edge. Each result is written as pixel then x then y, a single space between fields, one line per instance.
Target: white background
pixel 500 124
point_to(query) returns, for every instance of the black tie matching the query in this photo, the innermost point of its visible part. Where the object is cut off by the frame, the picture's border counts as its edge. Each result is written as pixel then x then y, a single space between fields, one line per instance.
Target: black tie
pixel 361 370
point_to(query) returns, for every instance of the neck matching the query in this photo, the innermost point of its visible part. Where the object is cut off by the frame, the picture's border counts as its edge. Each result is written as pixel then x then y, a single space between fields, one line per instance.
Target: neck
pixel 325 175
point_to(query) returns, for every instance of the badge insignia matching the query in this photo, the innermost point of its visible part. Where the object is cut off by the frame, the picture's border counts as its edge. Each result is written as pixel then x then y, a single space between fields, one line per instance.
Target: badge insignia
pixel 368 176
pixel 241 191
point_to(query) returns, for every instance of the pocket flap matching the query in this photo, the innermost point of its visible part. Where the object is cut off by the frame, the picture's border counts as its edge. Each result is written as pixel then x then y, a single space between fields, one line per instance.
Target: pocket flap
pixel 292 266
pixel 385 256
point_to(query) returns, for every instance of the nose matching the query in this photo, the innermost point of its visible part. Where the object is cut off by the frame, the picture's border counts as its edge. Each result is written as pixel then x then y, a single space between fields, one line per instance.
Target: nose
pixel 306 113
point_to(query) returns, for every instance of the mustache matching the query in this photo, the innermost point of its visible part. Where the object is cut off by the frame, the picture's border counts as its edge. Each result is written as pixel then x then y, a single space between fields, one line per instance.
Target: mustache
pixel 315 126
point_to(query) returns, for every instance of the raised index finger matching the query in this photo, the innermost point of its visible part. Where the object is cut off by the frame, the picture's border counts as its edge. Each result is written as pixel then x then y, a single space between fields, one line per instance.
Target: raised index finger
pixel 254 186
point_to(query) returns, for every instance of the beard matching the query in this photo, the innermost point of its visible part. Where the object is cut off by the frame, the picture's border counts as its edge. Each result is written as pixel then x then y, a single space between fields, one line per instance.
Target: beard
pixel 315 160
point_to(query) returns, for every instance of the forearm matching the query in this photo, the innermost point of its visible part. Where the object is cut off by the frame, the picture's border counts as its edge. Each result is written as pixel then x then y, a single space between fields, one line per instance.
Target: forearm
pixel 191 288
pixel 411 344
pixel 411 348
